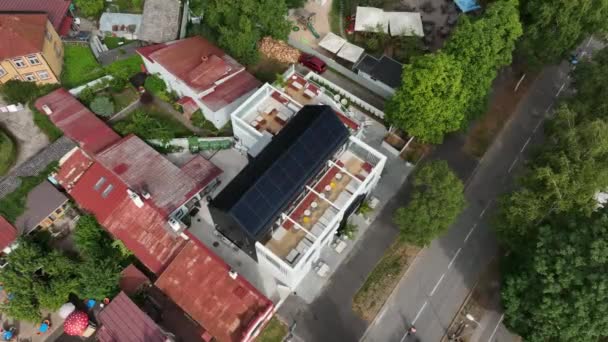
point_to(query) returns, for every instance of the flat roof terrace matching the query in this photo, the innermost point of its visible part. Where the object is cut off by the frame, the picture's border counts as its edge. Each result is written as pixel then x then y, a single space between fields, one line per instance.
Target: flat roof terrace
pixel 272 112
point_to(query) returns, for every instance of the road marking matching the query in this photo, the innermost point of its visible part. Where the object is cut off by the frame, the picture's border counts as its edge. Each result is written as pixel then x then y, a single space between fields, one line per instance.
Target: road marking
pixel 484 209
pixel 588 42
pixel 496 328
pixel 458 251
pixel 512 164
pixel 548 108
pixel 526 144
pixel 420 312
pixel 469 234
pixel 436 285
pixel 537 125
pixel 560 89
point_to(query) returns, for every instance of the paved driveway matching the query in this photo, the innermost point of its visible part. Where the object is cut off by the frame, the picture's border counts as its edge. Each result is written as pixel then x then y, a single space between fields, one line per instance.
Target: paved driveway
pixel 28 136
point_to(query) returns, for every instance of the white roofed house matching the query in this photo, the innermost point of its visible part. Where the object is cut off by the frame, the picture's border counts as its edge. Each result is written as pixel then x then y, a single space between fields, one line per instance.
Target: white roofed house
pixel 124 25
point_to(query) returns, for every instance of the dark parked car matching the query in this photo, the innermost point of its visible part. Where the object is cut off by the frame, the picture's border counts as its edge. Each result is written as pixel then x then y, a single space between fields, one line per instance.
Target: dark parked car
pixel 313 63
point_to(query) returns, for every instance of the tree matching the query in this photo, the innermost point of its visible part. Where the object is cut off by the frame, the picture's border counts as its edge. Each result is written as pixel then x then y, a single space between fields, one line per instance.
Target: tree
pixel 430 101
pixel 102 106
pixel 90 8
pixel 294 3
pixel 556 289
pixel 589 79
pixel 437 200
pixel 483 46
pixel 15 91
pixel 241 23
pixel 99 278
pixel 145 126
pixel 563 177
pixel 92 241
pixel 553 28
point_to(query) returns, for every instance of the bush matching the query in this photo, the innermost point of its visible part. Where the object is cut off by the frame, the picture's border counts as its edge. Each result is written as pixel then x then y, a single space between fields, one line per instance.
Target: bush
pixel 45 124
pixel 15 91
pixel 90 8
pixel 155 84
pixel 7 152
pixel 86 96
pixel 103 106
pixel 125 68
pixel 118 84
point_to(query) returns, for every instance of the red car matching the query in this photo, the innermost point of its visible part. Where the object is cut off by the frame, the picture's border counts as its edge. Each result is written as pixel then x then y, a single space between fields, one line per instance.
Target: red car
pixel 313 63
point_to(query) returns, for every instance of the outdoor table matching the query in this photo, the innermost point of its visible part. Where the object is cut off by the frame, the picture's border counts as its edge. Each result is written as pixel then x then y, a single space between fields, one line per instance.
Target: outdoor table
pixel 338 176
pixel 314 205
pixel 44 327
pixel 306 212
pixel 328 188
pixel 7 335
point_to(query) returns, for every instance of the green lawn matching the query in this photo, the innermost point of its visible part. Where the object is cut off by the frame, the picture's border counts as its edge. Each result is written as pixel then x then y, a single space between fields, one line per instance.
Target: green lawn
pixel 129 6
pixel 275 331
pixel 8 152
pixel 113 42
pixel 79 66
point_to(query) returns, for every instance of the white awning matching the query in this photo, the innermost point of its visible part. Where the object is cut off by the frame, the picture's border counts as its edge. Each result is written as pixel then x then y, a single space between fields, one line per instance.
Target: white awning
pixel 332 42
pixel 369 19
pixel 351 52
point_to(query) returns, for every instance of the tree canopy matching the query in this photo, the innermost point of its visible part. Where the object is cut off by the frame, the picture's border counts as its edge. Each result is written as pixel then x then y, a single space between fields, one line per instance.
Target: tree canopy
pixel 90 8
pixel 483 46
pixel 439 93
pixel 437 200
pixel 39 277
pixel 556 290
pixel 429 102
pixel 242 23
pixel 555 27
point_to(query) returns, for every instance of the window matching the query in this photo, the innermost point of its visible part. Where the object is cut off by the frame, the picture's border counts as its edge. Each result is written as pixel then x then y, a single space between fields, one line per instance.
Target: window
pixel 29 77
pixel 33 59
pixel 2 71
pixel 19 63
pixel 107 191
pixel 43 74
pixel 99 183
pixel 48 34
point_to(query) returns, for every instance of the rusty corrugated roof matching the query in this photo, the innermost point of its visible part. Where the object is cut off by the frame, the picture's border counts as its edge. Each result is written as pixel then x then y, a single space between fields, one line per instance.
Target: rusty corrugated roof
pixel 8 233
pixel 55 9
pixel 21 34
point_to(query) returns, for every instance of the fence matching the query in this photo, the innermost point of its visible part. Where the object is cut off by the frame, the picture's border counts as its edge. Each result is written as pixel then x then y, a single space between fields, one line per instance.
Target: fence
pixel 352 98
pixel 342 70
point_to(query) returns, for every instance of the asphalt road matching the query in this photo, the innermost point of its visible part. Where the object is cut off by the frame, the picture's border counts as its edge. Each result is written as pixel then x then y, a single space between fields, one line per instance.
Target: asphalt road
pixel 435 286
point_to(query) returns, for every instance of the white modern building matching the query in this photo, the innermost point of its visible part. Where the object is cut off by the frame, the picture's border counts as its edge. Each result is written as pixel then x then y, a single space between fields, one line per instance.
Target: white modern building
pixel 307 172
pixel 203 76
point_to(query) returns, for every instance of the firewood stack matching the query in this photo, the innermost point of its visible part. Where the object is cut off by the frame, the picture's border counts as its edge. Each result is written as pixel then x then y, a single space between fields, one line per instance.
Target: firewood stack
pixel 279 50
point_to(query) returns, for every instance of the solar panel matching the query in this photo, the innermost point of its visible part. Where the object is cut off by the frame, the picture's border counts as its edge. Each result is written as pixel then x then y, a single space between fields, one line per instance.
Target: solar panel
pixel 289 161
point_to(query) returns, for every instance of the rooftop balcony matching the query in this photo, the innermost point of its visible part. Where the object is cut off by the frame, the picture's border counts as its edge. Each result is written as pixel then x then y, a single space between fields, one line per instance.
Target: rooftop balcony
pixel 320 206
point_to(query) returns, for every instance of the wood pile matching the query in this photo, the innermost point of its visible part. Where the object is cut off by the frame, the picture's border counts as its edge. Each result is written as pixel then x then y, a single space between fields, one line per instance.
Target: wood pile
pixel 279 50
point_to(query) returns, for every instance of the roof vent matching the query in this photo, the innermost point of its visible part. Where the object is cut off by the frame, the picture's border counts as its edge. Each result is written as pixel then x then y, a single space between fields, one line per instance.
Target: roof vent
pixel 145 194
pixel 47 110
pixel 233 274
pixel 174 224
pixel 135 198
pixel 205 58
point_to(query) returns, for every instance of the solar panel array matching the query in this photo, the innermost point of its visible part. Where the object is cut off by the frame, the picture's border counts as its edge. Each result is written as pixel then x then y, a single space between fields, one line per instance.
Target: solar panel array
pixel 263 201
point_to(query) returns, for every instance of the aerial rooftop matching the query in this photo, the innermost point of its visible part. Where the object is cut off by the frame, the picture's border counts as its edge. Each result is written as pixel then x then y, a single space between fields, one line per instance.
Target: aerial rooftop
pixel 56 10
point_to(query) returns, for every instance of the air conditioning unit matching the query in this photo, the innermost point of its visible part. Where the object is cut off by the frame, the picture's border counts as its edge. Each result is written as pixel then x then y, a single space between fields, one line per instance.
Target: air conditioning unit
pixel 145 194
pixel 232 274
pixel 47 110
pixel 174 224
pixel 135 198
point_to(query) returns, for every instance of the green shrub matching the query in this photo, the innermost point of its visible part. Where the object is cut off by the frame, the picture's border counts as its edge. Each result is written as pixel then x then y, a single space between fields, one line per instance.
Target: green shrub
pixel 15 91
pixel 8 152
pixel 125 68
pixel 103 106
pixel 118 84
pixel 90 8
pixel 86 95
pixel 45 124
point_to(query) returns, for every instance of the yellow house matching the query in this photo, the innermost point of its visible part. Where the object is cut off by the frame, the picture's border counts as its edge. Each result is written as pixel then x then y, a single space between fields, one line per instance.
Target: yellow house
pixel 30 48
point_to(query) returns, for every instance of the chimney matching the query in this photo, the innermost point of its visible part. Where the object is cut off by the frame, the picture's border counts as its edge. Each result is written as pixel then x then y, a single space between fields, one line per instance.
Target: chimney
pixel 205 58
pixel 135 198
pixel 47 110
pixel 145 194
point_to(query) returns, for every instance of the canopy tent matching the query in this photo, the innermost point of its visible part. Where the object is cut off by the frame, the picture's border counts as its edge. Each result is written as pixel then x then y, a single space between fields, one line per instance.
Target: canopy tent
pixel 350 52
pixel 332 42
pixel 467 5
pixel 370 19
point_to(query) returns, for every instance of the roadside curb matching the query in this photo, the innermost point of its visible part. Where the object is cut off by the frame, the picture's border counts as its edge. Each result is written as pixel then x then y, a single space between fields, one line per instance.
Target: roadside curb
pixel 390 297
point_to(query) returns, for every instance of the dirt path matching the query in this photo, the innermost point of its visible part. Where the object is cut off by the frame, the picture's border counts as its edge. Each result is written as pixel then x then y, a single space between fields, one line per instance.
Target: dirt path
pixel 28 137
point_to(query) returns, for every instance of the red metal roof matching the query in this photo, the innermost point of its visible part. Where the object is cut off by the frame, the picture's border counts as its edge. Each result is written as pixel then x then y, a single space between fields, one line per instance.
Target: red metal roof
pixel 202 66
pixel 198 281
pixel 65 26
pixel 122 320
pixel 72 167
pixel 142 230
pixel 55 9
pixel 21 34
pixel 8 233
pixel 132 279
pixel 77 122
pixel 143 169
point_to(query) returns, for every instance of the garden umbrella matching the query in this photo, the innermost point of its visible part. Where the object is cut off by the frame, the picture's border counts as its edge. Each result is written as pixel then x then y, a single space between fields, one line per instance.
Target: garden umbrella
pixel 66 309
pixel 76 323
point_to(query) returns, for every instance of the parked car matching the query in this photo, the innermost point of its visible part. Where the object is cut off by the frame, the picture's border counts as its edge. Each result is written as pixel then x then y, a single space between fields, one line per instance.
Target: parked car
pixel 313 63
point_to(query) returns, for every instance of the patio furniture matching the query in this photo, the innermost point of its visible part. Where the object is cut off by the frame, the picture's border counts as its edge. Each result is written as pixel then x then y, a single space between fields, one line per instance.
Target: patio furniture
pixel 279 233
pixel 282 116
pixel 351 187
pixel 342 200
pixel 317 229
pixel 280 120
pixel 309 93
pixel 259 118
pixel 323 269
pixel 292 255
pixel 338 176
pixel 307 212
pixel 297 85
pixel 314 205
pixel 327 188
